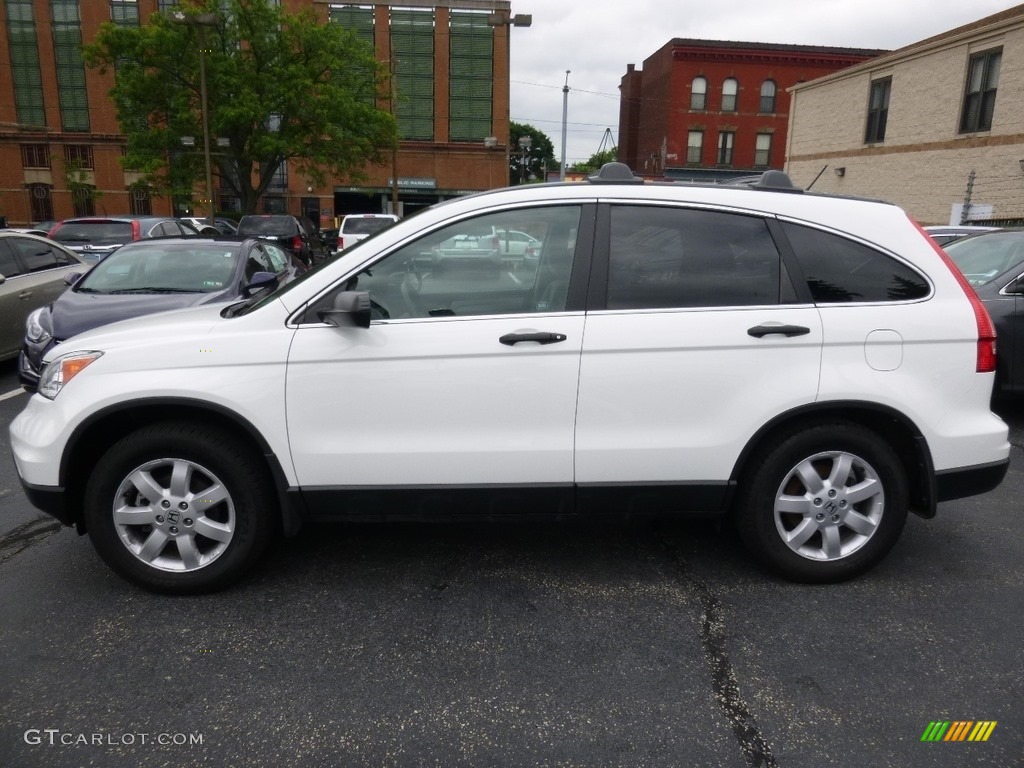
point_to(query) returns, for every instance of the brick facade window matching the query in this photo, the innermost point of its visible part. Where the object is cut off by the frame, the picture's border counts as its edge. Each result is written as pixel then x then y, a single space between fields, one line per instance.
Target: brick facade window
pixel 40 202
pixel 699 94
pixel 763 150
pixel 730 89
pixel 726 139
pixel 694 147
pixel 78 156
pixel 35 156
pixel 768 92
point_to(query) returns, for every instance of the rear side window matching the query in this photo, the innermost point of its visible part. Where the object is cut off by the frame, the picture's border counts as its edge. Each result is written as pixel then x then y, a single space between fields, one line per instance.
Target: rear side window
pixel 8 266
pixel 841 271
pixel 677 258
pixel 37 256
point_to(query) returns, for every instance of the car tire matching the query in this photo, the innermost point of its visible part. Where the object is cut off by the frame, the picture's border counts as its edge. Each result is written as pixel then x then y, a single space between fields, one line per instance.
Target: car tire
pixel 824 504
pixel 179 508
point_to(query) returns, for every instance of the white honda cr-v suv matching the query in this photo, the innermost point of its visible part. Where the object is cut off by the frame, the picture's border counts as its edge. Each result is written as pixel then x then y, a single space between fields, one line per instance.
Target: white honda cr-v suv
pixel 811 365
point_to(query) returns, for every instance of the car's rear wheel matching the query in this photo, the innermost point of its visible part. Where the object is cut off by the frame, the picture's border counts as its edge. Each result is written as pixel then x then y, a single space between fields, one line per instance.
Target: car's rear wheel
pixel 179 508
pixel 825 504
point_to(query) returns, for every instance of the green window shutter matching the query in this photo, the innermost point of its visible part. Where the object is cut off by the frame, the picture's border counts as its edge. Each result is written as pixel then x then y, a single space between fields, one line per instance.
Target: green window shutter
pixel 360 21
pixel 471 77
pixel 67 49
pixel 24 54
pixel 412 45
pixel 124 13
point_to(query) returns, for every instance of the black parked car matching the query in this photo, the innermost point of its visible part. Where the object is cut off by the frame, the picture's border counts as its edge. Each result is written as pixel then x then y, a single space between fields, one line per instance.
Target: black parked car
pixel 290 232
pixel 993 264
pixel 154 276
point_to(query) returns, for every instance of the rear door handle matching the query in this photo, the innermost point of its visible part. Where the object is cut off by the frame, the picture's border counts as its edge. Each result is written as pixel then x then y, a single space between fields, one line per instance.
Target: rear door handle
pixel 25 295
pixel 759 331
pixel 540 337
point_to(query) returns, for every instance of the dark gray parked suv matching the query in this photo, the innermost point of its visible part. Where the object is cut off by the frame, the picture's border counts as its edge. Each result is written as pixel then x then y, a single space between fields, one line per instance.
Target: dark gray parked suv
pixel 287 231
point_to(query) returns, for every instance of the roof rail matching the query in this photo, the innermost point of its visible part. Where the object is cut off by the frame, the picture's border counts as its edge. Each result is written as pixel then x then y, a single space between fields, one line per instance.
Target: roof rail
pixel 614 173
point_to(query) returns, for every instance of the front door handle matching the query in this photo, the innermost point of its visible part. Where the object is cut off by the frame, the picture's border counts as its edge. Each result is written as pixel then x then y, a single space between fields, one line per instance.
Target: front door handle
pixel 25 295
pixel 759 331
pixel 540 337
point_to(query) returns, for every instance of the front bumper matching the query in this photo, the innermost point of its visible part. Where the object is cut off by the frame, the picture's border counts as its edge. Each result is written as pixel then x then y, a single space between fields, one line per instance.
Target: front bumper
pixel 51 500
pixel 28 373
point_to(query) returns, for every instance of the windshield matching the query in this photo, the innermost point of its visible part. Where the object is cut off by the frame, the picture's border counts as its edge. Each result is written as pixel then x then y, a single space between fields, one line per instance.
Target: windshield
pixel 155 267
pixel 276 226
pixel 95 232
pixel 984 257
pixel 365 226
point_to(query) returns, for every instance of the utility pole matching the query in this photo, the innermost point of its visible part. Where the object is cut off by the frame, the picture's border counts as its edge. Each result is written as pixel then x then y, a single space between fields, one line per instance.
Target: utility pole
pixel 565 121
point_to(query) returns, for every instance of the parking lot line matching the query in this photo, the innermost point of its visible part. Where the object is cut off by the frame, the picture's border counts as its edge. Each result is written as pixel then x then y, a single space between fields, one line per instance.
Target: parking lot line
pixel 12 393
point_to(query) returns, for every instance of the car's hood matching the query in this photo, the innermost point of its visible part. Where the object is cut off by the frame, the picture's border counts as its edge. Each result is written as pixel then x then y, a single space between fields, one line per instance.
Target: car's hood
pixel 143 329
pixel 75 312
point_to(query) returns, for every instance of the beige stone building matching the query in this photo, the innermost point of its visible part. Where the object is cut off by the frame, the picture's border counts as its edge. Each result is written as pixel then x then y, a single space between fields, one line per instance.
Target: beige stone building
pixel 928 126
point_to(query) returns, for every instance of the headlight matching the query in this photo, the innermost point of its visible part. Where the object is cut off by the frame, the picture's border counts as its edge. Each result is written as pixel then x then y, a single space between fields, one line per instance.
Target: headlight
pixel 37 326
pixel 59 372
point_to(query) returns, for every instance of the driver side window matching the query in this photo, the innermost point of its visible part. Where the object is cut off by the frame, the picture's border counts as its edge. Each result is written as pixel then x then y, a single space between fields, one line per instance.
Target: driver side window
pixel 502 263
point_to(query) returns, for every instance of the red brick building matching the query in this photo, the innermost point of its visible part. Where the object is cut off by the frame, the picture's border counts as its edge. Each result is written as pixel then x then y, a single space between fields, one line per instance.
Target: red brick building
pixel 704 109
pixel 60 142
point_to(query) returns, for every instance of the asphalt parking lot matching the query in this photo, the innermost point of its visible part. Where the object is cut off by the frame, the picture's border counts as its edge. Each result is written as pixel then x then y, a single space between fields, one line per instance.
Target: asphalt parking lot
pixel 548 644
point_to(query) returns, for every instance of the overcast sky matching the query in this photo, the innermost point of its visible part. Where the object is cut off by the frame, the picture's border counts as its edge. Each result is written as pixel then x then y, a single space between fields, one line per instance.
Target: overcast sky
pixel 596 39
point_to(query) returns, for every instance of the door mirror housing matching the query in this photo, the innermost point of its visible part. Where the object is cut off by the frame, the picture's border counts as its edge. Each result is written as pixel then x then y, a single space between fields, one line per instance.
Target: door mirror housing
pixel 351 308
pixel 72 277
pixel 260 281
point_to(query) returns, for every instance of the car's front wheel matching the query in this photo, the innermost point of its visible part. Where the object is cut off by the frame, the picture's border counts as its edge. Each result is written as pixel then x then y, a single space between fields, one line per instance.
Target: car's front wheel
pixel 825 504
pixel 179 508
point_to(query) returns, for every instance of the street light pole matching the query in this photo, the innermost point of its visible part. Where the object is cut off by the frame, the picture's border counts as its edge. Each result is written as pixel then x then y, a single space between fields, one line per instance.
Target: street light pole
pixel 206 125
pixel 524 145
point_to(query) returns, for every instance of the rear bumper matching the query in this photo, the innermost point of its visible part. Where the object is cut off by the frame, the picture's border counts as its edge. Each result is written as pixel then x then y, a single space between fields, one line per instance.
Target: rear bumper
pixel 969 481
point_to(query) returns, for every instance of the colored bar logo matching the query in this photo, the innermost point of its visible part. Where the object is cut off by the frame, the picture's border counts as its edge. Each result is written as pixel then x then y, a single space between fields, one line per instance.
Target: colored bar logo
pixel 958 730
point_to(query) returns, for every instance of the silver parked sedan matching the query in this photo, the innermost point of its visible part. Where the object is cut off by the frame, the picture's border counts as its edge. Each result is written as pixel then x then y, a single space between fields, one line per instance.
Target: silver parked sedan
pixel 32 272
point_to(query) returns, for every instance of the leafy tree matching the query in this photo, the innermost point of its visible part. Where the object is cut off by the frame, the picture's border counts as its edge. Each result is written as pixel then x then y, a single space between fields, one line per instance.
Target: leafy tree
pixel 541 155
pixel 596 160
pixel 280 87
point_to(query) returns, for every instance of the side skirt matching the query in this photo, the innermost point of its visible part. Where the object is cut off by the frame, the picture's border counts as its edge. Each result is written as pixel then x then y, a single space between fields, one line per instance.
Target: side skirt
pixel 503 502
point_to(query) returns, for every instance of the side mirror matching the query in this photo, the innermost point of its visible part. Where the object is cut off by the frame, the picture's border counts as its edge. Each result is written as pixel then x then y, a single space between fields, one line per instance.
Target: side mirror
pixel 351 308
pixel 72 277
pixel 260 281
pixel 2 279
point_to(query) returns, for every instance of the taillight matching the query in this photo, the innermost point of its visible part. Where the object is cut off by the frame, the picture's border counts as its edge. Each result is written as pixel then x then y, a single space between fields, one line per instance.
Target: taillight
pixel 136 230
pixel 296 243
pixel 986 357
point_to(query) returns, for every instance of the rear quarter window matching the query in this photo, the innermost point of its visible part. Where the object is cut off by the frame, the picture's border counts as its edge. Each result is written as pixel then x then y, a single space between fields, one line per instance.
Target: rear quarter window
pixel 841 271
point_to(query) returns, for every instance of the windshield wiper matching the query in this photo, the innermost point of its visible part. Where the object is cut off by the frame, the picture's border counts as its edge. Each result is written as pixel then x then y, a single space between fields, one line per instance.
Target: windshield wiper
pixel 152 289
